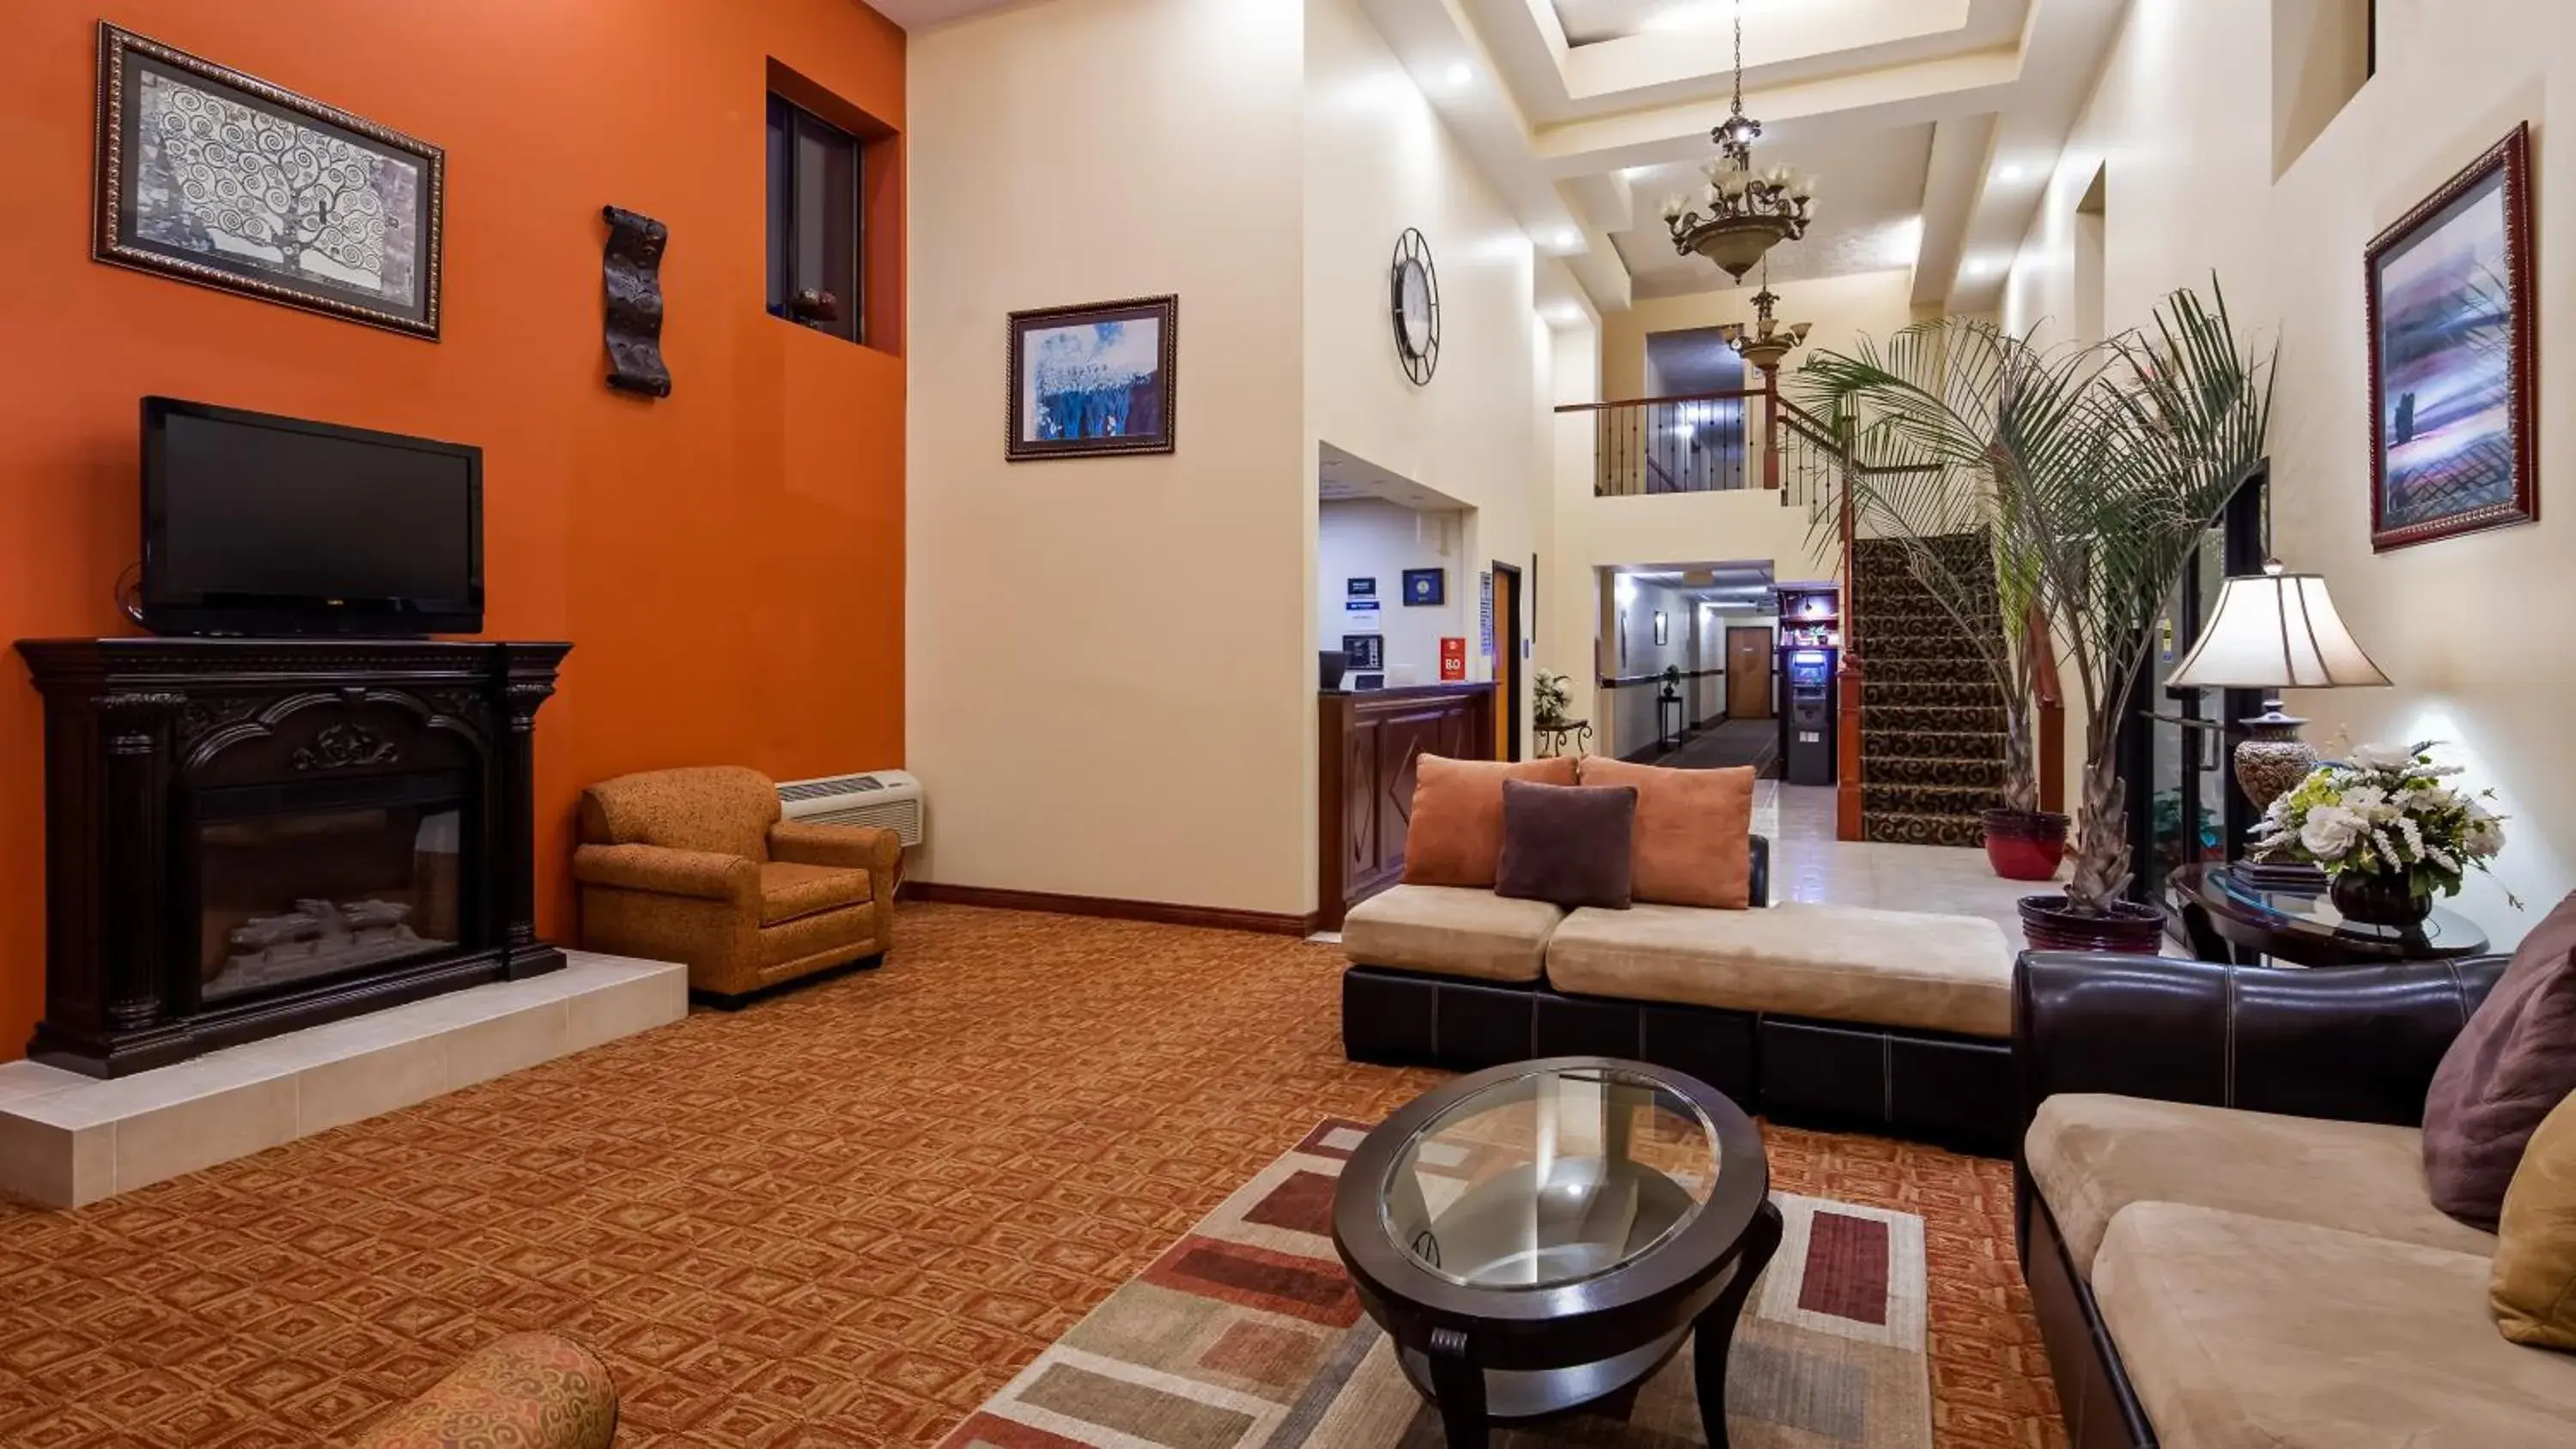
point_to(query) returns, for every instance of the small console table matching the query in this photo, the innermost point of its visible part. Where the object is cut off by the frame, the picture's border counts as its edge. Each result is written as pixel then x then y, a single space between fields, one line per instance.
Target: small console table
pixel 1566 736
pixel 2222 910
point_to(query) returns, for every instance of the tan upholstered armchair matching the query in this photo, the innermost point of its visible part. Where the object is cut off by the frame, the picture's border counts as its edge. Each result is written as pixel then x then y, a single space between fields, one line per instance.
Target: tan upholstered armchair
pixel 695 866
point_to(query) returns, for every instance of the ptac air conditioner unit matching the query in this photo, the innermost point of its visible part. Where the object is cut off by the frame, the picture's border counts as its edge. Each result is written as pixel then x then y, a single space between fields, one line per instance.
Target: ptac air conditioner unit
pixel 888 799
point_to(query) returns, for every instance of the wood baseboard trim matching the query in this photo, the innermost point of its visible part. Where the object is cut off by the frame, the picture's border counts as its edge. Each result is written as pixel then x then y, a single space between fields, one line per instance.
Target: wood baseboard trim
pixel 1220 918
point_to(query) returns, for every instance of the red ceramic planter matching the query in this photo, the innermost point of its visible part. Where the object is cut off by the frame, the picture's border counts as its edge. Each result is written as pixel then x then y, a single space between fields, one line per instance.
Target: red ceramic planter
pixel 2025 844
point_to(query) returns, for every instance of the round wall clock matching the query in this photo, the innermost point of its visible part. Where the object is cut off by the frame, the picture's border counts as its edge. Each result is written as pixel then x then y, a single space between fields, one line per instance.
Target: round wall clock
pixel 1413 288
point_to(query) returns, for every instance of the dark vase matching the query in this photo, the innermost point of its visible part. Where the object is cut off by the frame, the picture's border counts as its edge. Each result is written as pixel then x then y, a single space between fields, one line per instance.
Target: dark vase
pixel 2025 844
pixel 2129 928
pixel 2380 900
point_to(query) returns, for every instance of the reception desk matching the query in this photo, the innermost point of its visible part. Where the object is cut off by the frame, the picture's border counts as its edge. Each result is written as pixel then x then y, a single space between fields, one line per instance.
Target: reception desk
pixel 1368 741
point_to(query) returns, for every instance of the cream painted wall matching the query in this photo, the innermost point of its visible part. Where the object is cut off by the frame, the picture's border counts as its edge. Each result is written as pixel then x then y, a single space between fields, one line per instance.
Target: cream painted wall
pixel 2468 628
pixel 1379 160
pixel 1259 159
pixel 1168 755
pixel 1840 309
pixel 1634 723
pixel 2179 125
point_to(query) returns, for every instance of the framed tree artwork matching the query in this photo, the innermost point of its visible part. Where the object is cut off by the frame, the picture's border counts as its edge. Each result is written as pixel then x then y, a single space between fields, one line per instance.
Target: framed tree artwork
pixel 220 178
pixel 1093 381
pixel 2450 305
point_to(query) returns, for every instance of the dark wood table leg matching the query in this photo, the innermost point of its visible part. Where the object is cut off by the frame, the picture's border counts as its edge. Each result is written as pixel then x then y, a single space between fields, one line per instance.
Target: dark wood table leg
pixel 1459 1386
pixel 1714 1334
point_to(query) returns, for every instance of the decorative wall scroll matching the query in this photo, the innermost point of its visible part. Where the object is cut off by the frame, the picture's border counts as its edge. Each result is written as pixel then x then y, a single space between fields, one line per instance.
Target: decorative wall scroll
pixel 633 271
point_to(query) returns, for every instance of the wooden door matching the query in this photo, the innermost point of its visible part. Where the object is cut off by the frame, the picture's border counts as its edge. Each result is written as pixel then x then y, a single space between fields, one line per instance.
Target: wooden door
pixel 1507 662
pixel 1748 672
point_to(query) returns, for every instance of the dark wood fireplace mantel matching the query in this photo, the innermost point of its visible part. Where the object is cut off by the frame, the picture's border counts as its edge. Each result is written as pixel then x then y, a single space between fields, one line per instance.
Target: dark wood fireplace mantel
pixel 154 746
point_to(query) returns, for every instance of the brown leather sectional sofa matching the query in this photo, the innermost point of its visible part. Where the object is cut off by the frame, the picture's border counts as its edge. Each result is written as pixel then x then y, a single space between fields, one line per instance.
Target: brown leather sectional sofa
pixel 2223 1214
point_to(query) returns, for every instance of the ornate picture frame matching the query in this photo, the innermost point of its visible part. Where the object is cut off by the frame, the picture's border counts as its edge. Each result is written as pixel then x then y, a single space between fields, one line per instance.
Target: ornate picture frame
pixel 210 175
pixel 1093 381
pixel 2449 308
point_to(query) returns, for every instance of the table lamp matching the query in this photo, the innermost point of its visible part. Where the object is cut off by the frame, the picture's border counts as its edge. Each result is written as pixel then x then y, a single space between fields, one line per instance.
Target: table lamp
pixel 2274 630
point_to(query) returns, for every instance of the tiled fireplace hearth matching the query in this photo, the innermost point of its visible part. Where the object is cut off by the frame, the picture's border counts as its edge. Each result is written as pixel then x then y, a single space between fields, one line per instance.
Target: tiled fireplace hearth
pixel 245 836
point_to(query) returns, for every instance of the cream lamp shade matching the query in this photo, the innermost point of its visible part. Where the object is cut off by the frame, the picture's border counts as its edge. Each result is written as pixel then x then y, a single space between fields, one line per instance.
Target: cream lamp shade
pixel 2275 630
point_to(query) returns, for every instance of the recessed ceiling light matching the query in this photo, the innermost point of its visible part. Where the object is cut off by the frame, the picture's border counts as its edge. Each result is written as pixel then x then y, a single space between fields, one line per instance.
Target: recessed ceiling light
pixel 2009 173
pixel 1460 75
pixel 1567 238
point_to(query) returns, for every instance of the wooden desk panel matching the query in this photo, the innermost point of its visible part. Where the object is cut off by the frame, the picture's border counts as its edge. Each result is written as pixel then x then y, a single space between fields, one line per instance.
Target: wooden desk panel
pixel 1367 744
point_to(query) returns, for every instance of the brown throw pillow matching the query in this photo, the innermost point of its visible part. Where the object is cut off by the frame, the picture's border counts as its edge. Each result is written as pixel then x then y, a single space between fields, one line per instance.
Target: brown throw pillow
pixel 2513 1062
pixel 1455 834
pixel 2533 1285
pixel 1566 844
pixel 1694 832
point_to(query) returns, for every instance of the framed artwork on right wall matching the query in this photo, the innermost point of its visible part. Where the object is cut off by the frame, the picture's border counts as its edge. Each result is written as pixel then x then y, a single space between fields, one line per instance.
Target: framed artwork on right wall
pixel 2449 302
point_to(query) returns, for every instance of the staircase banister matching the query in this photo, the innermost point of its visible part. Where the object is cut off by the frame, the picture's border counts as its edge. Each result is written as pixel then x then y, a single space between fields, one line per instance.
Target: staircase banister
pixel 1730 395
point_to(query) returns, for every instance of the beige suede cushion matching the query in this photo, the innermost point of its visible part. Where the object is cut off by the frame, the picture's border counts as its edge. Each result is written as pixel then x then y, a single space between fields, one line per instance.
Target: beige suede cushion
pixel 1454 835
pixel 2242 1332
pixel 1694 840
pixel 2093 1155
pixel 1840 963
pixel 2533 1290
pixel 1450 931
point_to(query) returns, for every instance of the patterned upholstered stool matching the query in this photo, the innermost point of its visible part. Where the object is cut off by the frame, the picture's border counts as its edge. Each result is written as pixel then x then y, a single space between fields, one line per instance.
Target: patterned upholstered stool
pixel 530 1389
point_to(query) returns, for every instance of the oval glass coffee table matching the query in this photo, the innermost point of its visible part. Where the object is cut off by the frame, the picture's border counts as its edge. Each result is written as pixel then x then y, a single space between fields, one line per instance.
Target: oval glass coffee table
pixel 1540 1236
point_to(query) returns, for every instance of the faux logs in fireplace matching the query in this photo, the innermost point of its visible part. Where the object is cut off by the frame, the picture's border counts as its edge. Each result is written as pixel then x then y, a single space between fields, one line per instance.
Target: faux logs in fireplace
pixel 247 836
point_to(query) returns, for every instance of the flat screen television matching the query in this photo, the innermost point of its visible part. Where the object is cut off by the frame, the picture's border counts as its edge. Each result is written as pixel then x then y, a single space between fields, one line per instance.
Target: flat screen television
pixel 255 524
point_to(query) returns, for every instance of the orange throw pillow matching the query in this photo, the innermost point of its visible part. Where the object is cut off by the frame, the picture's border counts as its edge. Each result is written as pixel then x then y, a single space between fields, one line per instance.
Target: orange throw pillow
pixel 1694 843
pixel 1455 836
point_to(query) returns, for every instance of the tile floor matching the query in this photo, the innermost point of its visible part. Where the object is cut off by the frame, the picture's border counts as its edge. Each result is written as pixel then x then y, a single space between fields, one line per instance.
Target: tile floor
pixel 1808 864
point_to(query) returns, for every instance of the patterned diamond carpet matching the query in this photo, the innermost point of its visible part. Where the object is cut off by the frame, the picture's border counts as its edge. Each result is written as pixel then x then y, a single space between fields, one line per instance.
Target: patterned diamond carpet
pixel 1247 1332
pixel 846 1217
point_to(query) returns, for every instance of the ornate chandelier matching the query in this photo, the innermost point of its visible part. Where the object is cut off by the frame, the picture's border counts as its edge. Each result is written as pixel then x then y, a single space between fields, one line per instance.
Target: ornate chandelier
pixel 1741 214
pixel 1764 343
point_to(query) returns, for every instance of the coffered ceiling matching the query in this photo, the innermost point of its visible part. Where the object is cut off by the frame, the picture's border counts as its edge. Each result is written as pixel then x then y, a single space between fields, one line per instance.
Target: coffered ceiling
pixel 1931 123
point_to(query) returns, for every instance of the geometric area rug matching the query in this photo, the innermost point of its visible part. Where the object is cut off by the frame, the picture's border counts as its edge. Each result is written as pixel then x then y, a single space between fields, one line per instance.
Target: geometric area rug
pixel 1246 1335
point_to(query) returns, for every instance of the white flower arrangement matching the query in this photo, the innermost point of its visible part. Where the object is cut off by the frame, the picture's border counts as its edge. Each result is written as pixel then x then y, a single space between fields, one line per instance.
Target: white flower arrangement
pixel 1550 693
pixel 2384 812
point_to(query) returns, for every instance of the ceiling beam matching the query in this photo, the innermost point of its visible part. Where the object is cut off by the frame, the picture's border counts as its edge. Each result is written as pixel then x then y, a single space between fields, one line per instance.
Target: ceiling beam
pixel 1962 151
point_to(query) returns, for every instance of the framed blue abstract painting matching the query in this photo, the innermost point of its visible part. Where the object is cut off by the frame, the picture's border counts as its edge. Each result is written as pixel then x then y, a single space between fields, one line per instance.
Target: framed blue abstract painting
pixel 2450 317
pixel 1093 381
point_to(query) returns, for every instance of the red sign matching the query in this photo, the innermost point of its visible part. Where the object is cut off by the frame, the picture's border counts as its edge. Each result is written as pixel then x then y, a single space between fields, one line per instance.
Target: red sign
pixel 1453 659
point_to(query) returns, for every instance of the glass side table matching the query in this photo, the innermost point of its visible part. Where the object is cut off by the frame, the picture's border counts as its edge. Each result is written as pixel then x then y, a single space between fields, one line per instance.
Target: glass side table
pixel 2229 915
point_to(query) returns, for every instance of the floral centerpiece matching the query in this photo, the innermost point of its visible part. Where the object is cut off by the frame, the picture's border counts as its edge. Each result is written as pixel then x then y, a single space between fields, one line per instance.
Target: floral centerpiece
pixel 2386 829
pixel 1550 693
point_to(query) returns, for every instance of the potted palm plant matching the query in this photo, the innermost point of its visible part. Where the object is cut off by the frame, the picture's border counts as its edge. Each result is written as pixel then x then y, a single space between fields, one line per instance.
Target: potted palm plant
pixel 1930 421
pixel 2101 469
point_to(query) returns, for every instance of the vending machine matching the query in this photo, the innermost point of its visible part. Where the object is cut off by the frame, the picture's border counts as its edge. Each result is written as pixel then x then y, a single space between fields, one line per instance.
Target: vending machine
pixel 1808 717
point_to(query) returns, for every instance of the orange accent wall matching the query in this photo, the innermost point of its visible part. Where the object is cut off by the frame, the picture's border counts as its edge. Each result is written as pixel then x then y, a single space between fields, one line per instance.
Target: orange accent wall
pixel 728 562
